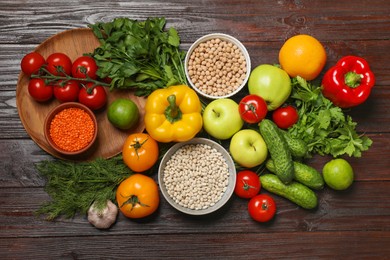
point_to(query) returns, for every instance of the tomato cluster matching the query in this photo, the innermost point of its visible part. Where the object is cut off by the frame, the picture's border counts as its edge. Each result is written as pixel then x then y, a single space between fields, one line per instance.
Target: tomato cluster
pixel 138 195
pixel 67 81
pixel 261 207
pixel 253 109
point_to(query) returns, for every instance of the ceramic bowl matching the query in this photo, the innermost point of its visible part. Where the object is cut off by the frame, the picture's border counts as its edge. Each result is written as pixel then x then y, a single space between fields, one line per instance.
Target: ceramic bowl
pixel 229 39
pixel 229 188
pixel 55 111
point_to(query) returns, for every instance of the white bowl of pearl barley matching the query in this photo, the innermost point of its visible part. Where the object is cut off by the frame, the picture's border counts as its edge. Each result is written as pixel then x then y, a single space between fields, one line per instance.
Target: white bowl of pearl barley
pixel 197 177
pixel 217 65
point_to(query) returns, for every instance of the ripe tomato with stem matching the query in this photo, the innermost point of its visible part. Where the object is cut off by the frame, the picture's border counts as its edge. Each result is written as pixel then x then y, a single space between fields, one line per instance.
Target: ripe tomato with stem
pixel 252 108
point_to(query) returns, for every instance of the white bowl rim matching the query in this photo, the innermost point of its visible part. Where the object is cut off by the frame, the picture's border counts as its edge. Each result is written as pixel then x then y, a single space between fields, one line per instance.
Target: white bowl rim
pixel 231 183
pixel 224 37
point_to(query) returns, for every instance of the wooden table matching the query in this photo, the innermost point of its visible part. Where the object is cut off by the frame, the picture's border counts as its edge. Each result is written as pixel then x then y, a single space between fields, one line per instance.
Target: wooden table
pixel 350 224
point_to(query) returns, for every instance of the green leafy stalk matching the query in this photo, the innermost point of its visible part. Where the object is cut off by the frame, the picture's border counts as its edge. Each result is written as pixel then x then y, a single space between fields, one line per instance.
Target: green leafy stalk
pixel 74 186
pixel 51 79
pixel 139 55
pixel 324 126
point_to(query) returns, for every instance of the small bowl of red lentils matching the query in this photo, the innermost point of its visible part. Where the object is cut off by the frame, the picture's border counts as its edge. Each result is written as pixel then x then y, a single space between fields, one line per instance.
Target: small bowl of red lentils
pixel 217 65
pixel 70 128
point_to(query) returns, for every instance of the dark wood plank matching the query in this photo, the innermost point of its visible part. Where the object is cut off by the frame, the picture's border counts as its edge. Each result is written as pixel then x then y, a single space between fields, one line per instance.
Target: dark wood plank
pixel 308 245
pixel 259 21
pixel 349 210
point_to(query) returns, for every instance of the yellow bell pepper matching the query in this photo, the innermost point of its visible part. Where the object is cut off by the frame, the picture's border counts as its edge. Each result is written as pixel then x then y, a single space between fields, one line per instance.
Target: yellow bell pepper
pixel 173 114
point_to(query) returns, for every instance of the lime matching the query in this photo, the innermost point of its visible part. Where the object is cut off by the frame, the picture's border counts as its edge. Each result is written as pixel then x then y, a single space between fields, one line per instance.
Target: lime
pixel 123 113
pixel 338 174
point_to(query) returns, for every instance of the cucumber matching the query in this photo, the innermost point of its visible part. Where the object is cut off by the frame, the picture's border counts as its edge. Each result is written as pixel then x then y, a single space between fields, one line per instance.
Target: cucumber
pixel 278 150
pixel 298 147
pixel 302 173
pixel 295 191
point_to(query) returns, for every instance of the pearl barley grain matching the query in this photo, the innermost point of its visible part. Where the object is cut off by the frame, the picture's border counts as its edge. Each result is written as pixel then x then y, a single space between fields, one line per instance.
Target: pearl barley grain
pixel 196 176
pixel 223 61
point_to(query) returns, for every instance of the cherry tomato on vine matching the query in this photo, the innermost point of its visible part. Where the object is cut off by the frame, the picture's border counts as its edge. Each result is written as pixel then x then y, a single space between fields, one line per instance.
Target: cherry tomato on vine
pixel 140 152
pixel 39 91
pixel 59 64
pixel 247 184
pixel 84 66
pixel 262 208
pixel 67 92
pixel 94 97
pixel 285 116
pixel 252 108
pixel 31 63
pixel 137 196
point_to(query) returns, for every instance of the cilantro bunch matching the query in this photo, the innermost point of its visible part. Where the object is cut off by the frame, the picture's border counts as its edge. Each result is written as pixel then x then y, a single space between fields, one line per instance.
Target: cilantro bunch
pixel 324 126
pixel 139 55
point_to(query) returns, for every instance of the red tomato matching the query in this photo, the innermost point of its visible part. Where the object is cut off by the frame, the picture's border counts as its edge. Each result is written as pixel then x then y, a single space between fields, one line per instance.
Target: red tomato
pixel 285 117
pixel 247 184
pixel 31 63
pixel 67 92
pixel 39 91
pixel 84 66
pixel 59 64
pixel 262 208
pixel 252 108
pixel 94 97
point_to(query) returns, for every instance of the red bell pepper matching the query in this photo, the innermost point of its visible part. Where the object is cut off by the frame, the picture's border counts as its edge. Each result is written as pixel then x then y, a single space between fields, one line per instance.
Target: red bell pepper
pixel 349 82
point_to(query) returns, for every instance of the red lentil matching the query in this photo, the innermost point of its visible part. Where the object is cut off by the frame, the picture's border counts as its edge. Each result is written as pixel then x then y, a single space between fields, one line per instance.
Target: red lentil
pixel 72 129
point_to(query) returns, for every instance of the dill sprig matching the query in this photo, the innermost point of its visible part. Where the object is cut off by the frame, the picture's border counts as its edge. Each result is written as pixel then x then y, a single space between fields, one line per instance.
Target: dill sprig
pixel 74 186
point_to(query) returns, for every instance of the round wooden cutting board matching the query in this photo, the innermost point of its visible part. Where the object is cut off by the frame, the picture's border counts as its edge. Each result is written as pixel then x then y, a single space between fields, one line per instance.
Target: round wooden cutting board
pixel 110 140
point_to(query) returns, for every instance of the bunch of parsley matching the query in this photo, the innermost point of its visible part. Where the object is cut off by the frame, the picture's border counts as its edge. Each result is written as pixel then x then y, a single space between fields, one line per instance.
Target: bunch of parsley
pixel 322 125
pixel 139 55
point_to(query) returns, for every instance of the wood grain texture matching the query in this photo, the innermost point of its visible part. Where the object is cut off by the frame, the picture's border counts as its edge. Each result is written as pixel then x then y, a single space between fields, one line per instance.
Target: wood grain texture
pixel 354 224
pixel 334 214
pixel 309 245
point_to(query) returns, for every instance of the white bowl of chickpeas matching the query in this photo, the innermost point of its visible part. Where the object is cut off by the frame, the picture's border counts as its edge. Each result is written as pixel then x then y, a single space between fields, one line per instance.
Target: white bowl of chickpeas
pixel 217 65
pixel 197 177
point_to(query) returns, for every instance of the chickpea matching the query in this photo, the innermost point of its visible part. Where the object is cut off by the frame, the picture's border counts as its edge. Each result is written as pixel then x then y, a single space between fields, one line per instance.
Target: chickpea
pixel 221 61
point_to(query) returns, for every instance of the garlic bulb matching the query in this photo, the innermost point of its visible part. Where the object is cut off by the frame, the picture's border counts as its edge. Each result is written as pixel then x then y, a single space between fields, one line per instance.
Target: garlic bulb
pixel 103 219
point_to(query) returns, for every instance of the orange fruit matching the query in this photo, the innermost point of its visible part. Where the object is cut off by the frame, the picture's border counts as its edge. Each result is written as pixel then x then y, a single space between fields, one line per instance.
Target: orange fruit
pixel 302 55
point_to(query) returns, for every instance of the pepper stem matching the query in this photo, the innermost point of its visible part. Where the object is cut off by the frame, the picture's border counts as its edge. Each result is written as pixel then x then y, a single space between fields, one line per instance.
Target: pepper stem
pixel 172 112
pixel 352 79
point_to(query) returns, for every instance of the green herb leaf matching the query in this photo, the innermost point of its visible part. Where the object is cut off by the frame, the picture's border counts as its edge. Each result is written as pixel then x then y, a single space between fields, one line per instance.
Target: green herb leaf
pixel 173 37
pixel 139 52
pixel 324 126
pixel 73 187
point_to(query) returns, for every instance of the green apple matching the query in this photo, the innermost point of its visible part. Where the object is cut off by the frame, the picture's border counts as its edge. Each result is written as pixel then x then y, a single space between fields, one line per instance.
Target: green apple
pixel 271 83
pixel 221 118
pixel 248 148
